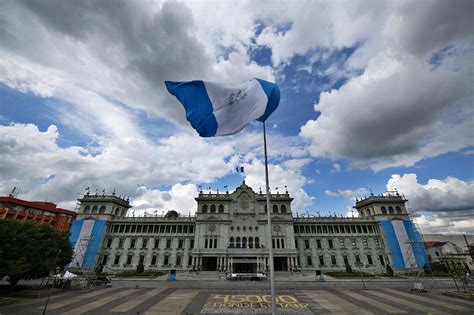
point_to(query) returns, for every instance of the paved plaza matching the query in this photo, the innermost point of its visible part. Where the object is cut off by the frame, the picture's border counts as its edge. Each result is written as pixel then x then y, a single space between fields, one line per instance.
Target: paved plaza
pixel 187 297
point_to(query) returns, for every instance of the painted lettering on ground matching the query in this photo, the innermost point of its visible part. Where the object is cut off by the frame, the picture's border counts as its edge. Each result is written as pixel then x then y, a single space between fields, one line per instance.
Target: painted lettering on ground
pixel 252 301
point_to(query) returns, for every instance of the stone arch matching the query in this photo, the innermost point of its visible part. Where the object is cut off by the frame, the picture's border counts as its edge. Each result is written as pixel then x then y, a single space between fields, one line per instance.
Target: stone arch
pixel 398 210
pixel 275 209
pixel 87 209
pixel 283 209
pixel 94 210
pixel 384 211
pixel 204 209
pixel 390 210
pixel 221 209
pixel 102 210
pixel 213 208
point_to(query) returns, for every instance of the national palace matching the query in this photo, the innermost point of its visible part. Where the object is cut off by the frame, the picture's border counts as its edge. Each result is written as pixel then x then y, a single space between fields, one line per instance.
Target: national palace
pixel 229 233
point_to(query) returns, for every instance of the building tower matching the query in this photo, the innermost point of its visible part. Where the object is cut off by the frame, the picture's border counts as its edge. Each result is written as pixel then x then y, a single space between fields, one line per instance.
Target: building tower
pixel 90 226
pixel 404 242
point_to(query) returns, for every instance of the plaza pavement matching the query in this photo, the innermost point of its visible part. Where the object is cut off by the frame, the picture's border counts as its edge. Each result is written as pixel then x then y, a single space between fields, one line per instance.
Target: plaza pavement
pixel 134 296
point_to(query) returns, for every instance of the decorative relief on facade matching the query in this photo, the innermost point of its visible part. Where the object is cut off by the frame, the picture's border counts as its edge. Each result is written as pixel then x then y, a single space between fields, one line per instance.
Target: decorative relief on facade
pixel 244 202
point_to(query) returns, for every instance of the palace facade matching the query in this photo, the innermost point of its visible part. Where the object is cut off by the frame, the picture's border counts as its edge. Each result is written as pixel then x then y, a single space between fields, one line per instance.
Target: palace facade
pixel 229 233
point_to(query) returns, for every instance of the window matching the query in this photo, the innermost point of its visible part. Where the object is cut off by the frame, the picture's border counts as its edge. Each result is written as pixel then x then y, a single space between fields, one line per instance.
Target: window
pixel 309 261
pixel 275 209
pixel 206 243
pixel 129 259
pixel 190 260
pixel 365 243
pixel 204 209
pixel 215 243
pixel 369 260
pixel 283 209
pixel 132 243
pixel 153 260
pixel 180 243
pixel 231 242
pixel 382 261
pixel 168 243
pixel 191 229
pixel 178 260
pixel 157 243
pixel 341 242
pixel 257 242
pixel 353 242
pixel 87 209
pixel 330 244
pixel 390 210
pixel 282 243
pixel 109 243
pixel 191 244
pixel 296 244
pixel 273 243
pixel 321 260
pixel 250 242
pixel 377 242
pixel 399 211
pixel 142 259
pixel 306 243
pixel 333 260
pixel 221 209
pixel 237 242
pixel 213 208
pixel 144 243
pixel 104 259
pixel 318 244
pixel 166 261
pixel 384 211
pixel 117 259
pixel 120 244
pixel 244 242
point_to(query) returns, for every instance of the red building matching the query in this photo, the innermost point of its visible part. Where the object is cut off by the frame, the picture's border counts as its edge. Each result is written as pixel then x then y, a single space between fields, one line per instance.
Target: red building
pixel 39 211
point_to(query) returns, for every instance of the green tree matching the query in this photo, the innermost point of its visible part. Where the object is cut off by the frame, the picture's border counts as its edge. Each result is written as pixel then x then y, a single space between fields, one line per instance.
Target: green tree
pixel 31 251
pixel 140 267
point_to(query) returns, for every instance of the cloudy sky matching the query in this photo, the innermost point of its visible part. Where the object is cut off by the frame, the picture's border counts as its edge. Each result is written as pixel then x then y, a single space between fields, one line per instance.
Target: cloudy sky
pixel 376 95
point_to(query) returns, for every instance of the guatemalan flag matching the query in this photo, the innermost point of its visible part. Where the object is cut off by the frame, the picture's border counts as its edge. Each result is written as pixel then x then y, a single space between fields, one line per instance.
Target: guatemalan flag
pixel 217 109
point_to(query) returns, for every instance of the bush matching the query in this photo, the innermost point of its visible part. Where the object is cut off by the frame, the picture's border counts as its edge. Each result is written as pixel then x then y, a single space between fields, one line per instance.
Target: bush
pixel 348 268
pixel 389 271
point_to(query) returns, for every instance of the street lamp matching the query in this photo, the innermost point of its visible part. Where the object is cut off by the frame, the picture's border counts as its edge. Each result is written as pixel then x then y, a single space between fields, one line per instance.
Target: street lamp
pixel 360 264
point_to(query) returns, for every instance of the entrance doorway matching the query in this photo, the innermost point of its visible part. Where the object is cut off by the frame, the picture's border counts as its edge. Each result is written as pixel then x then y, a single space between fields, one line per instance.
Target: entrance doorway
pixel 209 263
pixel 280 263
pixel 245 265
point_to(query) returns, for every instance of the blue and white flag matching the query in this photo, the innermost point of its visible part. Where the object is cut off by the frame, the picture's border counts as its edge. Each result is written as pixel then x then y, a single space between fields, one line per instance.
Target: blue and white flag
pixel 216 109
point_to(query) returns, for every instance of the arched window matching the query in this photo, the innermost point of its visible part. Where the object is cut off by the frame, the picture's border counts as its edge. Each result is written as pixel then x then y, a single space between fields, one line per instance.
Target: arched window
pixel 231 242
pixel 399 210
pixel 265 208
pixel 390 210
pixel 221 209
pixel 237 242
pixel 368 212
pixel 213 208
pixel 244 242
pixel 244 228
pixel 257 242
pixel 87 209
pixel 275 209
pixel 204 209
pixel 232 229
pixel 384 211
pixel 116 211
pixel 94 209
pixel 250 242
pixel 102 210
pixel 124 213
pixel 283 209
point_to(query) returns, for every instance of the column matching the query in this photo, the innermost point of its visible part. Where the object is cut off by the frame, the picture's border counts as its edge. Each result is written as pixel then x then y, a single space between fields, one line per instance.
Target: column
pixel 288 263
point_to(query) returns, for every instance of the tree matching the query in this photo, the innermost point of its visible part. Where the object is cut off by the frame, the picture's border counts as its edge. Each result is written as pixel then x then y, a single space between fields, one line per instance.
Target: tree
pixel 140 267
pixel 348 268
pixel 31 251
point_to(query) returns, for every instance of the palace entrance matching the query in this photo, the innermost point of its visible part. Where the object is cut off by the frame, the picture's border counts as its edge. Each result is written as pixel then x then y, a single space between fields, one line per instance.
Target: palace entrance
pixel 280 263
pixel 209 263
pixel 245 265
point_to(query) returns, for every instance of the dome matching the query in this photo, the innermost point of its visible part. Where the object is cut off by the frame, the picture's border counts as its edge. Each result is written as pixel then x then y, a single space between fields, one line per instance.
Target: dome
pixel 172 214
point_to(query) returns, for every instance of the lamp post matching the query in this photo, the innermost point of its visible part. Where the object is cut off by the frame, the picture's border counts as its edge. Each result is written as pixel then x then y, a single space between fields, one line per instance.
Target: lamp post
pixel 359 264
pixel 49 294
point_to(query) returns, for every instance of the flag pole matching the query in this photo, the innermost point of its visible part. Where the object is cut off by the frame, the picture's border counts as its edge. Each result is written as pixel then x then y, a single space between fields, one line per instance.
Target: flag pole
pixel 269 223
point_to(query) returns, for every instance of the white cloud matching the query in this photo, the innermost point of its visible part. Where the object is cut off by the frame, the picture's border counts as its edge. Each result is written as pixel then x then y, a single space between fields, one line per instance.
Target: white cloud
pixel 336 168
pixel 346 193
pixel 396 113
